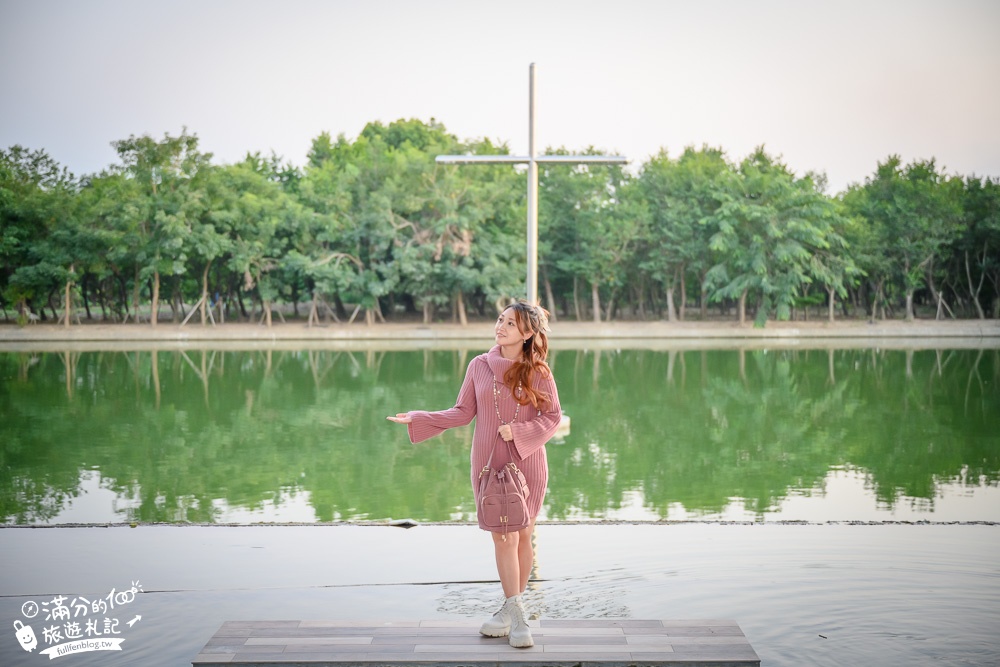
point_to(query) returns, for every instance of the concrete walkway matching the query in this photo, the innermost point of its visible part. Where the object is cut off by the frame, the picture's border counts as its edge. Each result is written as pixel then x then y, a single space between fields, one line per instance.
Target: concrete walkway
pixel 604 642
pixel 987 331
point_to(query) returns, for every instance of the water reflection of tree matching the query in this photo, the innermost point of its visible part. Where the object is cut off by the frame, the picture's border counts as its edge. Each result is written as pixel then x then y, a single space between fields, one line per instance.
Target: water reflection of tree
pixel 177 433
pixel 713 437
pixel 933 422
pixel 244 430
pixel 754 425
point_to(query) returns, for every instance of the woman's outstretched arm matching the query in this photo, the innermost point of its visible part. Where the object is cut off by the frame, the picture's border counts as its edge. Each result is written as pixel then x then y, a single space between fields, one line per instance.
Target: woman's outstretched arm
pixel 422 425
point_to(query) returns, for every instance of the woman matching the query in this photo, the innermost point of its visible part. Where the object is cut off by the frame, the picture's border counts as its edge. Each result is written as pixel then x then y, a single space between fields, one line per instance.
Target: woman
pixel 511 394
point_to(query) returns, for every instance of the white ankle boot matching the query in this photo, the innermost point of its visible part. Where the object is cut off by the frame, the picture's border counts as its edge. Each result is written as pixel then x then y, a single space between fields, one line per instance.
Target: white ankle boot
pixel 520 634
pixel 499 625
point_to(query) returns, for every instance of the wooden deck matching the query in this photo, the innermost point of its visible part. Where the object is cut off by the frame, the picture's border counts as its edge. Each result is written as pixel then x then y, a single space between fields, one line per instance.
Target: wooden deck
pixel 581 643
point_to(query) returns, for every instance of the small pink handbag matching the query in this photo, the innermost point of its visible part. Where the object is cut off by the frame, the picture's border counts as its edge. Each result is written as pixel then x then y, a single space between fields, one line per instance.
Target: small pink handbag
pixel 503 497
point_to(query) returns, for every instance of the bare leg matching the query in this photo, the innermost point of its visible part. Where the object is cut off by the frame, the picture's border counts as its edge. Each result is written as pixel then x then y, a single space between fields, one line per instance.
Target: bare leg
pixel 508 563
pixel 514 560
pixel 525 555
pixel 515 557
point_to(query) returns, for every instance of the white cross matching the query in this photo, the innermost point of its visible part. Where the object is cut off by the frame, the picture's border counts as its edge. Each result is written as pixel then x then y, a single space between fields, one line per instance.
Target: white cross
pixel 532 159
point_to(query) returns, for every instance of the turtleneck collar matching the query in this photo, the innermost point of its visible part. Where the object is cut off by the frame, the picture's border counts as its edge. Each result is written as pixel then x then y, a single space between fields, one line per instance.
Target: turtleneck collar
pixel 498 364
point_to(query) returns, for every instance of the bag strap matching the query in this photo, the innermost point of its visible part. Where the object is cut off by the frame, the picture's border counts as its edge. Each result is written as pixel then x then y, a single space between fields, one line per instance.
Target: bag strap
pixel 489 461
pixel 512 454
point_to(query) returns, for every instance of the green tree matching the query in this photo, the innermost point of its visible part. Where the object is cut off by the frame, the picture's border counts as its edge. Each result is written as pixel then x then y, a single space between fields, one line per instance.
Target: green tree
pixel 252 226
pixel 368 194
pixel 914 212
pixel 868 251
pixel 768 226
pixel 391 222
pixel 166 199
pixel 680 196
pixel 976 253
pixel 40 240
pixel 95 203
pixel 831 264
pixel 585 238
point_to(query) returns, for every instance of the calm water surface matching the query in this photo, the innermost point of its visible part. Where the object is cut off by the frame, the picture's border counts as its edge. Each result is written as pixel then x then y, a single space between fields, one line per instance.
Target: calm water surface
pixel 805 595
pixel 300 436
pixel 216 437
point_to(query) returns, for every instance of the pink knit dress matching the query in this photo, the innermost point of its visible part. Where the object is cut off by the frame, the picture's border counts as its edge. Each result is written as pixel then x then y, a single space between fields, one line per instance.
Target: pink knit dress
pixel 532 428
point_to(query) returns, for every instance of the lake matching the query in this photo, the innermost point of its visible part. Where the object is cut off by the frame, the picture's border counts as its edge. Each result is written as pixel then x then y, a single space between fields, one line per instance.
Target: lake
pixel 840 504
pixel 300 436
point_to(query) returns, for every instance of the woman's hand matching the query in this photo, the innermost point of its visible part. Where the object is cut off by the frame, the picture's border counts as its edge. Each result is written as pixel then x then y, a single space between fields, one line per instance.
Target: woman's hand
pixel 401 418
pixel 505 432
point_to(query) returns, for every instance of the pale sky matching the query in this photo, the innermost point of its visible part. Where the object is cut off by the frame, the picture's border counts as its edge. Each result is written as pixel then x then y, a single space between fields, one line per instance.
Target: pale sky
pixel 830 86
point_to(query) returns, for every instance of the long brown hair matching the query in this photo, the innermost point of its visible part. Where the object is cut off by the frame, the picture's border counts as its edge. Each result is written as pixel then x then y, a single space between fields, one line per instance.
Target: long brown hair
pixel 534 320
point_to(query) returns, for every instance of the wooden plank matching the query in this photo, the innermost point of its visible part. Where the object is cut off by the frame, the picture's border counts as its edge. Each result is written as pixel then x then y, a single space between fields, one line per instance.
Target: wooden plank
pixel 558 643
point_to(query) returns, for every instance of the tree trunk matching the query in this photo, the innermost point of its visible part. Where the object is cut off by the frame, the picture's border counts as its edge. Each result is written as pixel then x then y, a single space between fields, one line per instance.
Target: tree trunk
pixel 831 306
pixel 83 294
pixel 938 296
pixel 172 301
pixel 428 311
pixel 743 307
pixel 909 292
pixel 595 297
pixel 101 301
pixel 576 300
pixel 66 303
pixel 267 312
pixel 671 286
pixel 878 290
pixel 641 297
pixel 338 305
pixel 313 311
pixel 69 301
pixel 684 296
pixel 243 306
pixel 460 309
pixel 549 298
pixel 671 313
pixel 704 300
pixel 135 296
pixel 52 305
pixel 156 298
pixel 204 291
pixel 974 292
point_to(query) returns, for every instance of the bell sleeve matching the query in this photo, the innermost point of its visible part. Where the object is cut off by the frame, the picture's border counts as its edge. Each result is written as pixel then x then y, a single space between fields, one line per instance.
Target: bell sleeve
pixel 531 435
pixel 429 424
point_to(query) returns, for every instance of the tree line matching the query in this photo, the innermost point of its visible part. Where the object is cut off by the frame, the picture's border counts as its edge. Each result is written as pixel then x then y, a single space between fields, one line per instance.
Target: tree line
pixel 373 228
